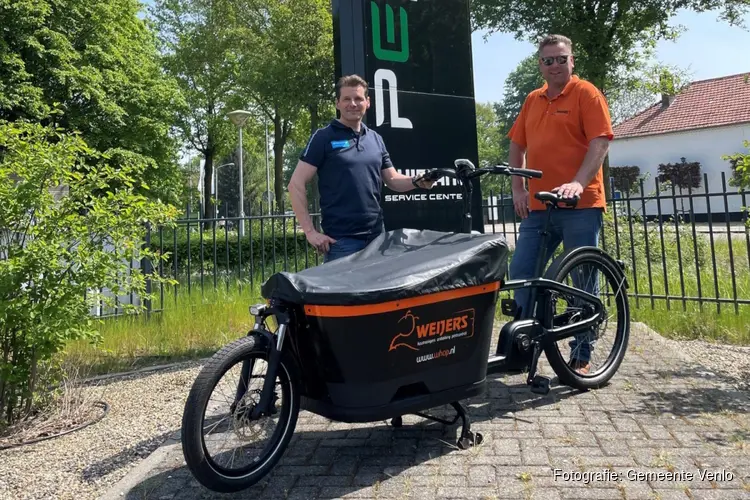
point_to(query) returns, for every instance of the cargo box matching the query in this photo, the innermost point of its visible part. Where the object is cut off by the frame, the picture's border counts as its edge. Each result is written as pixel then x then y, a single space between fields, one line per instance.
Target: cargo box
pixel 403 325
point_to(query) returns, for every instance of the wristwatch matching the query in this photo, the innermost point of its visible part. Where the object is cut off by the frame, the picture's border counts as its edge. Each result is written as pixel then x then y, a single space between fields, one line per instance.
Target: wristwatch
pixel 414 181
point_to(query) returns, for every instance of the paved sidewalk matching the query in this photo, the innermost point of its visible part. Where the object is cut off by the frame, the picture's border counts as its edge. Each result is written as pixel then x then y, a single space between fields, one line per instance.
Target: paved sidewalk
pixel 662 416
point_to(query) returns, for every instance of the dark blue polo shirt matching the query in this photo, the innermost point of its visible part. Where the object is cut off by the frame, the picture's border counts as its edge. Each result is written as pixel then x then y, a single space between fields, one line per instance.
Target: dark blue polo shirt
pixel 349 178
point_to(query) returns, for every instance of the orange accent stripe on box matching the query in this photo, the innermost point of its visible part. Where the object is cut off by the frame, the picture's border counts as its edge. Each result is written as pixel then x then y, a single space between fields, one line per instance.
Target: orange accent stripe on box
pixel 394 305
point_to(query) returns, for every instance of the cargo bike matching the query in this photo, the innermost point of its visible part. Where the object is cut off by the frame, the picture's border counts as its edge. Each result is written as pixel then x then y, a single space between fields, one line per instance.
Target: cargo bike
pixel 401 327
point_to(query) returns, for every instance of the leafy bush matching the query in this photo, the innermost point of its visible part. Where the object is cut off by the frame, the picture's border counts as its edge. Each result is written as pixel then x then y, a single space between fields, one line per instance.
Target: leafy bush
pixel 59 244
pixel 682 175
pixel 740 165
pixel 625 178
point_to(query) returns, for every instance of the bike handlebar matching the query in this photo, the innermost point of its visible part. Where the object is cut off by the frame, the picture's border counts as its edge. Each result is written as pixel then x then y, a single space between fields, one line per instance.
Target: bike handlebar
pixel 523 172
pixel 464 169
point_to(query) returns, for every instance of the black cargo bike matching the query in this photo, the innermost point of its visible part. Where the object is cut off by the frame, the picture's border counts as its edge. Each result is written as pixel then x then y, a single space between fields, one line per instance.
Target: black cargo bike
pixel 401 327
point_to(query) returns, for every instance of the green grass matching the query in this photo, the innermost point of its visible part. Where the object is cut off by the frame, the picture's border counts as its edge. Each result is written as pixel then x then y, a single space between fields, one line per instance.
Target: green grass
pixel 193 327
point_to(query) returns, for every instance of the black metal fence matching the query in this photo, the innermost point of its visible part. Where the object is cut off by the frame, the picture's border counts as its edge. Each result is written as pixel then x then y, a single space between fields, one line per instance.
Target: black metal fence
pixel 682 248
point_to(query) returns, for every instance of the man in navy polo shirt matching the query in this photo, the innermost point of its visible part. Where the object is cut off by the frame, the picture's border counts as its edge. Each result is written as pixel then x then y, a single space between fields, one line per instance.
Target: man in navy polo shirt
pixel 352 164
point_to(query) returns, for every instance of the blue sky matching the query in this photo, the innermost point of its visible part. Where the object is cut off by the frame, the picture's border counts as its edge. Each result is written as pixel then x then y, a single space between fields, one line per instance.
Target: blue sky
pixel 706 49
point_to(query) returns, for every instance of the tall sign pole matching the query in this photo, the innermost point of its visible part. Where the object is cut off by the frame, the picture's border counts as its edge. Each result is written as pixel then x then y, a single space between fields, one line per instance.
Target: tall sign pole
pixel 416 57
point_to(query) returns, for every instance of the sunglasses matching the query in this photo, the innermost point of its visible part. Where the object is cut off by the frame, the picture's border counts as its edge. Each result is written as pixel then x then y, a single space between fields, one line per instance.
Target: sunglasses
pixel 547 61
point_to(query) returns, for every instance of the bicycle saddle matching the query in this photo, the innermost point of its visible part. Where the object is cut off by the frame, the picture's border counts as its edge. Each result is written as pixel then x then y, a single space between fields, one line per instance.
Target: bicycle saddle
pixel 547 197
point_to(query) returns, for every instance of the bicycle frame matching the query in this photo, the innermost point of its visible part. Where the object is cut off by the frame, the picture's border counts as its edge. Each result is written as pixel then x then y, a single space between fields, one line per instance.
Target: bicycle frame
pixel 546 285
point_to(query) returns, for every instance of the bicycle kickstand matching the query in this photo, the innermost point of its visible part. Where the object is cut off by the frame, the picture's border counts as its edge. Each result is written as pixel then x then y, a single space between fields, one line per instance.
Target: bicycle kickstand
pixel 539 383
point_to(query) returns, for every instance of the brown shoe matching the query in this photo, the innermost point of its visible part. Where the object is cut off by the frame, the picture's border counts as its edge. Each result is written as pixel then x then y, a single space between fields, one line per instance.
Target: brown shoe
pixel 580 367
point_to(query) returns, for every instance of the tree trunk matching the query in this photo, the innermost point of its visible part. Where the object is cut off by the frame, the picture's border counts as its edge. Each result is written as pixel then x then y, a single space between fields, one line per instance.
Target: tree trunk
pixel 3 383
pixel 32 382
pixel 278 168
pixel 12 389
pixel 208 169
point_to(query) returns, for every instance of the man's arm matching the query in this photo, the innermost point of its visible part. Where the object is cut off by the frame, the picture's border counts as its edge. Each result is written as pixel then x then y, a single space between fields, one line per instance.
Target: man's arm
pixel 393 179
pixel 400 183
pixel 297 188
pixel 592 162
pixel 516 160
pixel 597 127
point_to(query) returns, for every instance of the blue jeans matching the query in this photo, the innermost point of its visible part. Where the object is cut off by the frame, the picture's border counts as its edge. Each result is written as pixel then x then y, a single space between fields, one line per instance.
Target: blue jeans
pixel 346 246
pixel 571 227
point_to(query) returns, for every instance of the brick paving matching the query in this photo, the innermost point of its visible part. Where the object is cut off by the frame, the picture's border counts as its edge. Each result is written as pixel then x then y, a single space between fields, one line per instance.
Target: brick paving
pixel 662 419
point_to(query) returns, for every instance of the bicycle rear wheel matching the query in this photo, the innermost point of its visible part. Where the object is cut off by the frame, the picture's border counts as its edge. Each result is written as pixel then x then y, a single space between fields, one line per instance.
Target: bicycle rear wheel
pixel 588 360
pixel 219 437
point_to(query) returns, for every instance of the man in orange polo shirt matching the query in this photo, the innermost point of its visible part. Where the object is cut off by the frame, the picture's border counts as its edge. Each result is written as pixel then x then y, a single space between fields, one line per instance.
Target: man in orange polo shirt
pixel 563 129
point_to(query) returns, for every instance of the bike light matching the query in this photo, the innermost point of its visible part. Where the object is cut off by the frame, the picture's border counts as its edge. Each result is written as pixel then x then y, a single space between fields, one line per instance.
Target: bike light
pixel 256 309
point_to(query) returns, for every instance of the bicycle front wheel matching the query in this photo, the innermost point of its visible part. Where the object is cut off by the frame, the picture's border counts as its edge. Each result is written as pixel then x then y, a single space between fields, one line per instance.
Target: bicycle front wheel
pixel 225 448
pixel 590 359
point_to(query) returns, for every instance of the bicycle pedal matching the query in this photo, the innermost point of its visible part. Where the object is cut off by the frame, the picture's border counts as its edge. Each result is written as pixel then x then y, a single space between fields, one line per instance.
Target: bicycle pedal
pixel 540 385
pixel 508 307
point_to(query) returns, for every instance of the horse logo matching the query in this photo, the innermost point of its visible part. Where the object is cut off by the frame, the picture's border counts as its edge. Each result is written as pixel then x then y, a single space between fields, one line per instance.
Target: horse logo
pixel 405 317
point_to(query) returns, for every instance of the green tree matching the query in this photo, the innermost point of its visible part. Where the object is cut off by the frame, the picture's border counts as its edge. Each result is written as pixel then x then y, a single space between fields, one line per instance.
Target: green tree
pixel 96 61
pixel 490 147
pixel 59 246
pixel 199 48
pixel 288 67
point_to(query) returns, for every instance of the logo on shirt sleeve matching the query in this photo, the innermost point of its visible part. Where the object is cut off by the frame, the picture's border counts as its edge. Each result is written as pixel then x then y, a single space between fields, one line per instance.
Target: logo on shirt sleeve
pixel 339 144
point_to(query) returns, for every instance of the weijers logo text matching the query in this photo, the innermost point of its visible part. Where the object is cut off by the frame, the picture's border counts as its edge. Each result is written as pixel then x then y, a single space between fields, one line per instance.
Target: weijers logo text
pixel 417 334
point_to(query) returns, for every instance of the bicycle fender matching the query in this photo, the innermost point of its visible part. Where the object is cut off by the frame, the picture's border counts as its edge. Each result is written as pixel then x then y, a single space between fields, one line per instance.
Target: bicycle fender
pixel 264 338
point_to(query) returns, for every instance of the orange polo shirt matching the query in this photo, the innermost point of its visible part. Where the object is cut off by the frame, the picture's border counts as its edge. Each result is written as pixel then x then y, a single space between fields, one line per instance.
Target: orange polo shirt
pixel 556 135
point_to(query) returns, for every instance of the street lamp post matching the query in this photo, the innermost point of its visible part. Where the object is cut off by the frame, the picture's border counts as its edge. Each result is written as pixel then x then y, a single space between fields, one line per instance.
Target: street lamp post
pixel 239 117
pixel 268 173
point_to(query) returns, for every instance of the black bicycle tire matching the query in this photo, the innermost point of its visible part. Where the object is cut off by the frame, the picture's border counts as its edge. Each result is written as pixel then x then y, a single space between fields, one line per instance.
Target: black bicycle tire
pixel 103 404
pixel 192 442
pixel 567 376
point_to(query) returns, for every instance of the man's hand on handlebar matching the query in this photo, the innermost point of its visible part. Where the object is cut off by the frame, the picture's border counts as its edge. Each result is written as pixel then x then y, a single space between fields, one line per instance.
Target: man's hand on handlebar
pixel 321 242
pixel 570 190
pixel 421 182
